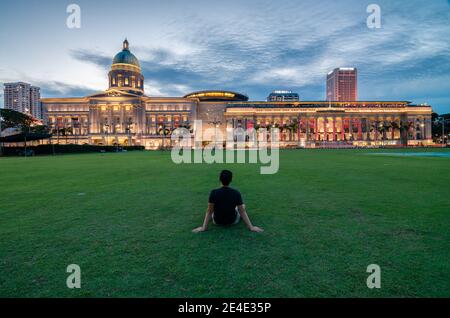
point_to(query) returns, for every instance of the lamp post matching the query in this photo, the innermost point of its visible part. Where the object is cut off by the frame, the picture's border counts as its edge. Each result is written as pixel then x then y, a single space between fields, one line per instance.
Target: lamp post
pixel 422 131
pixel 1 129
pixel 216 124
pixel 106 129
pixel 443 121
pixel 381 127
pixel 164 135
pixel 116 137
pixel 1 142
pixel 128 129
pixel 76 125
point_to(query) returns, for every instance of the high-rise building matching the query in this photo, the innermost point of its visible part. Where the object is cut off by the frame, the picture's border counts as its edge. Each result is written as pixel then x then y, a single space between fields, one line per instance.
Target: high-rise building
pixel 24 98
pixel 35 103
pixel 283 96
pixel 342 85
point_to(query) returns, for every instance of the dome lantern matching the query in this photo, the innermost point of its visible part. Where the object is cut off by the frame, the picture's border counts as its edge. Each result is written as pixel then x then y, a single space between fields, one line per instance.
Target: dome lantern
pixel 125 72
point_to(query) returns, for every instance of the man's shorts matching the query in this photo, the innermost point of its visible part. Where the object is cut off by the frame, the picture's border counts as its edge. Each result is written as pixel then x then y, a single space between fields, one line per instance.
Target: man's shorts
pixel 236 221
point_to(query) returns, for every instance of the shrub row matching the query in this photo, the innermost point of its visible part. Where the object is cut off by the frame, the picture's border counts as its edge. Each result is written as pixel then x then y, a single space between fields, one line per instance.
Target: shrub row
pixel 64 149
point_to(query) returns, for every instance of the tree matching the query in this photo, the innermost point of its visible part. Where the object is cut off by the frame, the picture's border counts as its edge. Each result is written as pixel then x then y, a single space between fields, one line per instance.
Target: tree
pixel 395 126
pixel 295 126
pixel 405 127
pixel 66 132
pixel 437 129
pixel 14 119
pixel 28 126
pixel 375 125
pixel 164 131
pixel 384 129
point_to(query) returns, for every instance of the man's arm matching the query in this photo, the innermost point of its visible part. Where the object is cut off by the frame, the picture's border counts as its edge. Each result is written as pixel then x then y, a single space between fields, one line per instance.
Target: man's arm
pixel 208 217
pixel 245 218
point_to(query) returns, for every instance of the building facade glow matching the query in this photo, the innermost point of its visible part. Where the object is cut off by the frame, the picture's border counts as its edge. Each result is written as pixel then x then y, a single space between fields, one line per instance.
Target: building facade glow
pixel 124 115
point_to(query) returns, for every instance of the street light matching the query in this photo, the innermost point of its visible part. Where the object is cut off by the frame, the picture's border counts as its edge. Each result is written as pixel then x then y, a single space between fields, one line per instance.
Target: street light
pixel 443 121
pixel 128 130
pixel 76 124
pixel 116 138
pixel 1 142
pixel 106 130
pixel 216 124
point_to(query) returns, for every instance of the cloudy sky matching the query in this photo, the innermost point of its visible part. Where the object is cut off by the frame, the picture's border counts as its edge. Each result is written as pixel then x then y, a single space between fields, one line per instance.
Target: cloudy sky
pixel 250 46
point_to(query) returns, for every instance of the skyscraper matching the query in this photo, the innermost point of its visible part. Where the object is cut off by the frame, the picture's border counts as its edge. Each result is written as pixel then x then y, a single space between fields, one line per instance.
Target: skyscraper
pixel 342 85
pixel 24 98
pixel 35 103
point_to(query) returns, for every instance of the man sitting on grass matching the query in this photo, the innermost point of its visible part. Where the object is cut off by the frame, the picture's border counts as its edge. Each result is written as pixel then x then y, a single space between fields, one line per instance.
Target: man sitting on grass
pixel 225 206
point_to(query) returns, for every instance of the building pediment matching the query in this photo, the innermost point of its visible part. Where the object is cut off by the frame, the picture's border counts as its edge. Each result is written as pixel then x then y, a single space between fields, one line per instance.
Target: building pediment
pixel 113 93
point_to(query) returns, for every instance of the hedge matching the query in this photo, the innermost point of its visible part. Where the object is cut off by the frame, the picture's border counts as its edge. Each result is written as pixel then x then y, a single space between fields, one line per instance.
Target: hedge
pixel 64 149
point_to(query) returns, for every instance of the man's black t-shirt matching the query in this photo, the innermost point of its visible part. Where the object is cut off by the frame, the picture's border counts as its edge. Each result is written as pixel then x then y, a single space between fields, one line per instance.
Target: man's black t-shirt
pixel 225 201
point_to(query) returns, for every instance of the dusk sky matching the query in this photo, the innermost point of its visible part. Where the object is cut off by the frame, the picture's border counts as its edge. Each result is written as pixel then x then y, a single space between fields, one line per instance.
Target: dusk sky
pixel 249 46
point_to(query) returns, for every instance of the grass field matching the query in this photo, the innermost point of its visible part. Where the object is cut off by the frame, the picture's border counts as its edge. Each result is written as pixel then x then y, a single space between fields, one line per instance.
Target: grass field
pixel 126 219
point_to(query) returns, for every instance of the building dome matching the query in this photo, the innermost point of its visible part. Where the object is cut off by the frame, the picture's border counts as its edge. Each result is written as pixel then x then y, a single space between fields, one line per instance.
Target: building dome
pixel 125 74
pixel 218 96
pixel 125 56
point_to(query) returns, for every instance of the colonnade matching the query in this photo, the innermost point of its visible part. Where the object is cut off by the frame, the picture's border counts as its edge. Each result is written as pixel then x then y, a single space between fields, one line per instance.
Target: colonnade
pixel 339 127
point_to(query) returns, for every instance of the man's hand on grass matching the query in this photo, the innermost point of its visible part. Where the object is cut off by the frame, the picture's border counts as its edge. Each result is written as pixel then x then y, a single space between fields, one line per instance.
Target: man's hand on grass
pixel 256 229
pixel 199 229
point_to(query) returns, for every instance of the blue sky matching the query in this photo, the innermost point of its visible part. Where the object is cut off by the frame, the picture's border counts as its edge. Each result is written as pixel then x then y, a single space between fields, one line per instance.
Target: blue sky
pixel 250 46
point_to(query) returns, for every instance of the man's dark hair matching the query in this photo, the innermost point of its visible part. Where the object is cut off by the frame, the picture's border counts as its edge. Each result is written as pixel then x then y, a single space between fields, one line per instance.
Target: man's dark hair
pixel 225 177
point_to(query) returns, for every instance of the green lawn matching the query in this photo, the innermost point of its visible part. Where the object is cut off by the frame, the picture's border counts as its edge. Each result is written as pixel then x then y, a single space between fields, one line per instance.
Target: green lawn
pixel 126 219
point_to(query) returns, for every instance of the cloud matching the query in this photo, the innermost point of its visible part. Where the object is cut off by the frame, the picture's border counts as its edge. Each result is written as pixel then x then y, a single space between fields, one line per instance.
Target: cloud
pixel 256 46
pixel 57 89
pixel 88 56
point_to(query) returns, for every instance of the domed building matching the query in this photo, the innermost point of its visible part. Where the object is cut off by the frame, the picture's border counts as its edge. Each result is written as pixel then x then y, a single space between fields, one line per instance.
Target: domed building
pixel 124 115
pixel 125 74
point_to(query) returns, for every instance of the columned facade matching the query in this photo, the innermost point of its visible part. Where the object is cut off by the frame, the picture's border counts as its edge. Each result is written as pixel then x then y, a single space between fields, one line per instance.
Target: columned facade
pixel 124 115
pixel 358 124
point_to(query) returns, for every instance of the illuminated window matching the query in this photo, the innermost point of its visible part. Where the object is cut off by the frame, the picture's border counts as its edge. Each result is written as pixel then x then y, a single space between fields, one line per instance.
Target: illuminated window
pixel 126 81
